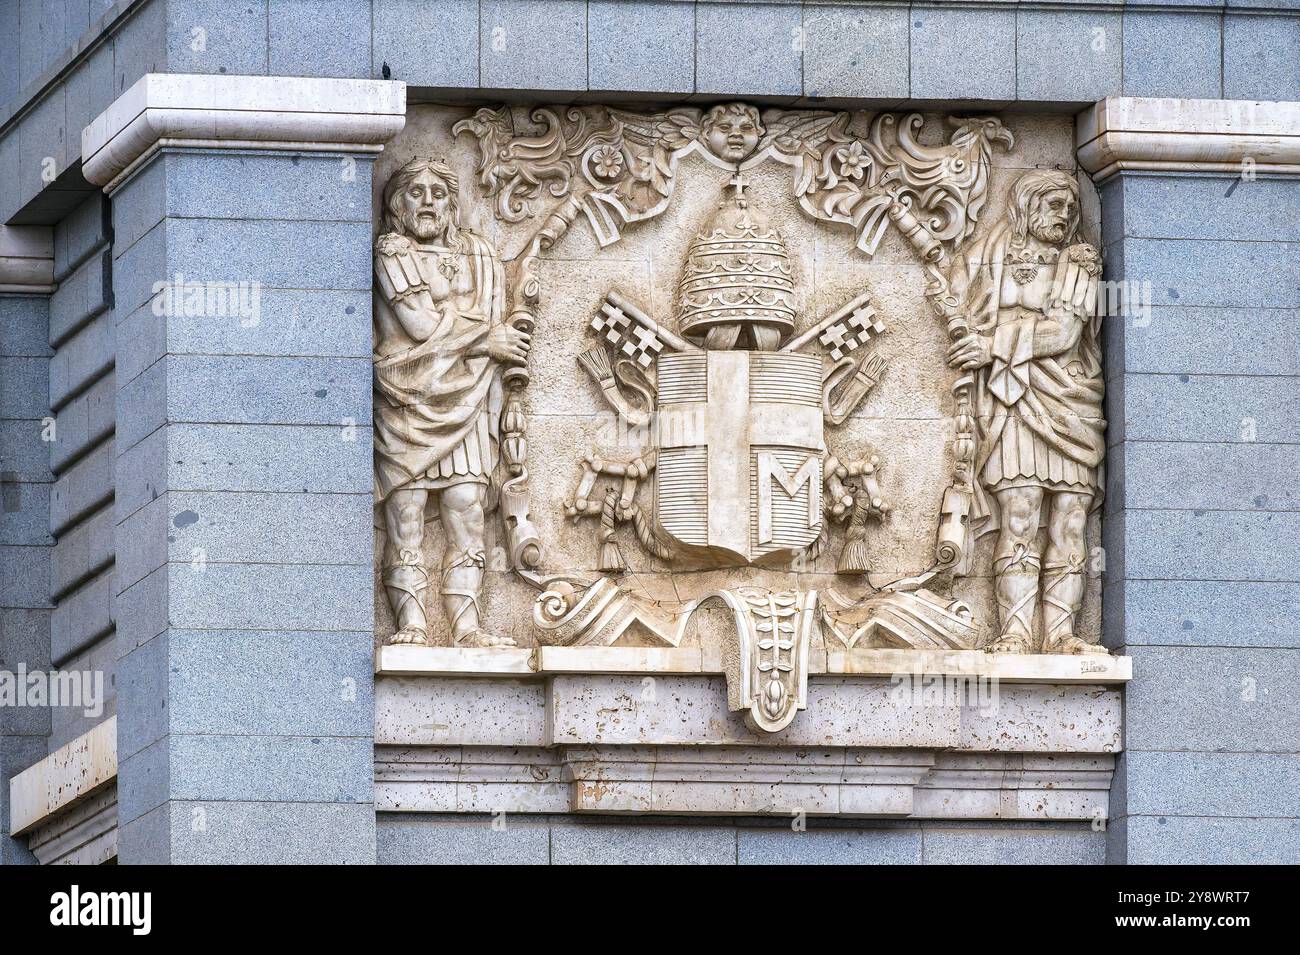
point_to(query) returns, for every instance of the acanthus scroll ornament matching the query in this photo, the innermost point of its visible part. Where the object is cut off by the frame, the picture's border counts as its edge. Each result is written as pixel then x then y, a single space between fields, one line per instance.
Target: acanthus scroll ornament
pixel 619 167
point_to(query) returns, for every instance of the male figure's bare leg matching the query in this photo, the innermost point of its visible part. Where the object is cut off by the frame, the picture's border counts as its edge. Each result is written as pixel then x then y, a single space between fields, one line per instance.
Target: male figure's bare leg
pixel 463 565
pixel 1016 565
pixel 406 577
pixel 1063 582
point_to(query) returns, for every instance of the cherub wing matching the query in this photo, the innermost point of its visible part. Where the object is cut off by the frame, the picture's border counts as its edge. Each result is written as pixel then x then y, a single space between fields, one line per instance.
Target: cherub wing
pixel 669 131
pixel 652 140
pixel 793 133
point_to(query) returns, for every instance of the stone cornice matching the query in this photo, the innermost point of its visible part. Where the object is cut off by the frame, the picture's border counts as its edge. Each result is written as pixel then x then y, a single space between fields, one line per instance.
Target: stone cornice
pixel 26 259
pixel 916 744
pixel 64 778
pixel 1188 135
pixel 249 112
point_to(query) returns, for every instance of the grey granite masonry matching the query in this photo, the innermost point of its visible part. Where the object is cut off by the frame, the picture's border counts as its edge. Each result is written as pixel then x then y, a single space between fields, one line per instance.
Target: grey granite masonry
pixel 1202 577
pixel 232 584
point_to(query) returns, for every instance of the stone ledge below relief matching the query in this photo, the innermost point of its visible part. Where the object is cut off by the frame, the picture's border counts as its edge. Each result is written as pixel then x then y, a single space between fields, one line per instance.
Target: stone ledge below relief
pixel 408 661
pixel 918 745
pixel 749 781
pixel 692 710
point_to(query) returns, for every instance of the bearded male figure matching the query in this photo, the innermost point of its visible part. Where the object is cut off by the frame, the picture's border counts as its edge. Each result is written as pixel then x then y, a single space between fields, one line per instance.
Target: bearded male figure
pixel 440 344
pixel 1030 293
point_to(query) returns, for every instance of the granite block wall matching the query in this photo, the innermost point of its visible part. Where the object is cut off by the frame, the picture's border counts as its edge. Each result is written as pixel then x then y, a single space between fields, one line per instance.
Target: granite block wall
pixel 519 839
pixel 244 630
pixel 25 542
pixel 65 62
pixel 1204 515
pixel 244 509
pixel 81 402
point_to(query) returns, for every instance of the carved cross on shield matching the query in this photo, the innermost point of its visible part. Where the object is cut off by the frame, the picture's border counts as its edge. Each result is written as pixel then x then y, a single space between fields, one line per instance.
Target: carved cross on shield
pixel 739 453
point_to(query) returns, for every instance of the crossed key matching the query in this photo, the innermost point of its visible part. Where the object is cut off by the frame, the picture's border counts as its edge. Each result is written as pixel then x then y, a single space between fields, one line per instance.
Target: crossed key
pixel 632 333
pixel 843 331
pixel 851 331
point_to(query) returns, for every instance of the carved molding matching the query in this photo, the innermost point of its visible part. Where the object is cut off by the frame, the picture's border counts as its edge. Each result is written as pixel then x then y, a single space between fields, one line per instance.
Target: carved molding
pixel 64 779
pixel 592 743
pixel 619 167
pixel 858 659
pixel 252 112
pixel 748 781
pixel 84 835
pixel 1188 135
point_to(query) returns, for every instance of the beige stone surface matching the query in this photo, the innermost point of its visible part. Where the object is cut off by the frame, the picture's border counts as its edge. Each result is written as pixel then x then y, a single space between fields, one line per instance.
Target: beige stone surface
pixel 679 780
pixel 639 708
pixel 468 779
pixel 64 778
pixel 430 711
pixel 1188 135
pixel 407 661
pixel 763 373
pixel 84 834
pixel 645 743
pixel 906 419
pixel 265 112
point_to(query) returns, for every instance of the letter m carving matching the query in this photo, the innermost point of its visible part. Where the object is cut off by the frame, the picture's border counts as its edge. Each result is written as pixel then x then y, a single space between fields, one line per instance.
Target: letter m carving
pixel 770 469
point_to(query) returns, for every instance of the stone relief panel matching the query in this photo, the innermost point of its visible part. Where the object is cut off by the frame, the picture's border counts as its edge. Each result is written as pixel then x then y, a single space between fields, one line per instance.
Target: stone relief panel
pixel 764 380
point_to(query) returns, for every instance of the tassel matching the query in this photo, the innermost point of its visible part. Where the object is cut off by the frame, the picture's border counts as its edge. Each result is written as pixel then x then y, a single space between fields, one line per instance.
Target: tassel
pixel 596 363
pixel 854 558
pixel 611 559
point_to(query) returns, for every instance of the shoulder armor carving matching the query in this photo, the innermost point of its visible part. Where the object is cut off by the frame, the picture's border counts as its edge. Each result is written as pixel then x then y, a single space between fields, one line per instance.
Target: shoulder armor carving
pixel 396 270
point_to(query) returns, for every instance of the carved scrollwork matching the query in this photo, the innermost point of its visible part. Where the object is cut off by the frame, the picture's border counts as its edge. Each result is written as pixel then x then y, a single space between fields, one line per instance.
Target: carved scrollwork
pixel 620 166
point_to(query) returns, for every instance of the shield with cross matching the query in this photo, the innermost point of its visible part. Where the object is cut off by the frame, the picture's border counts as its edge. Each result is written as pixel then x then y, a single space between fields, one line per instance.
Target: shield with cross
pixel 739 449
pixel 738 419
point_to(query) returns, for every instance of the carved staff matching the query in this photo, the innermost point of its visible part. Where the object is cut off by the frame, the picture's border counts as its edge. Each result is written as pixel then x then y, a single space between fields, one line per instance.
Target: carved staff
pixel 954 545
pixel 523 541
pixel 950 185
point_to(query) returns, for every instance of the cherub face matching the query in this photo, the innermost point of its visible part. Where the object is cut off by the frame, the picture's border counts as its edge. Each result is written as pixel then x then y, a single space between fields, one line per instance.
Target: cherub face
pixel 731 134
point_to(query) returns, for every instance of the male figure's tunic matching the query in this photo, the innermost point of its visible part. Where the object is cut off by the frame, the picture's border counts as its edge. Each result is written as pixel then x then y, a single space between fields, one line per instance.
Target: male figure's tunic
pixel 438 407
pixel 1040 418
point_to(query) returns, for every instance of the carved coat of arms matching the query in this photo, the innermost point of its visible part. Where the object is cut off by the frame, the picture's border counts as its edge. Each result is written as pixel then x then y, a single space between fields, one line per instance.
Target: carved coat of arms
pixel 739 442
pixel 726 454
pixel 738 432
